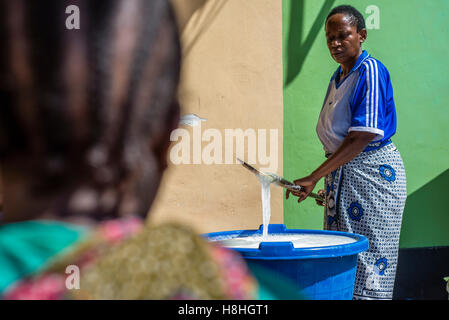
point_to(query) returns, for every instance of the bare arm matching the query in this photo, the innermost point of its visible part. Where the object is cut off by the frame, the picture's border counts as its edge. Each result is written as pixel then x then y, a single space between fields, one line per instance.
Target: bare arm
pixel 354 143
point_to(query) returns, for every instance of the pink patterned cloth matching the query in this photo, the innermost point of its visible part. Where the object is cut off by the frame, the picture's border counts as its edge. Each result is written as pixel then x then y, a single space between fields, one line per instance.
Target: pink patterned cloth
pixel 239 284
pixel 235 272
pixel 44 287
pixel 52 286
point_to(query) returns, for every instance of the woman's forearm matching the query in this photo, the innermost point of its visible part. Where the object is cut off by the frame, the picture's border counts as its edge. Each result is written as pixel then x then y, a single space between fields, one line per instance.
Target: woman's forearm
pixel 354 143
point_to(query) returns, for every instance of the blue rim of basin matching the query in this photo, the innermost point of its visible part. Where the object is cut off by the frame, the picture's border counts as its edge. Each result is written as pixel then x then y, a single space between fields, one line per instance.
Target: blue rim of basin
pixel 286 250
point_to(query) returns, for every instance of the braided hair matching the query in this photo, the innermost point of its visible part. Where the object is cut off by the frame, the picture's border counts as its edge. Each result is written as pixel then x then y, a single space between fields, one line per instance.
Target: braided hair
pixel 88 103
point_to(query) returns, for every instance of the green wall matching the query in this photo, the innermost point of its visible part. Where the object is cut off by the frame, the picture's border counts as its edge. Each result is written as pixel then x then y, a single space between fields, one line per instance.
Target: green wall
pixel 412 43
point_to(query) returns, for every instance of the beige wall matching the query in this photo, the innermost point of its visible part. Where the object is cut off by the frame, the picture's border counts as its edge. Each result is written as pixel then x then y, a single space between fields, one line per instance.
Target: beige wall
pixel 232 76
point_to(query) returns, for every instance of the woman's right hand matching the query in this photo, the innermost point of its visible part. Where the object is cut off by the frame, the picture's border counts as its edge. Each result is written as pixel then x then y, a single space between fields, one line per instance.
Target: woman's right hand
pixel 321 193
pixel 307 184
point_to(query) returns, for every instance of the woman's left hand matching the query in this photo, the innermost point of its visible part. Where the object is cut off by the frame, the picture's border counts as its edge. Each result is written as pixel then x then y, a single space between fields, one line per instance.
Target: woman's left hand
pixel 308 183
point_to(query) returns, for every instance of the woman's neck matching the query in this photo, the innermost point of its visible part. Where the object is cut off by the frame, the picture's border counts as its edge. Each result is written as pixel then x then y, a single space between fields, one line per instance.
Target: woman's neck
pixel 347 67
pixel 73 203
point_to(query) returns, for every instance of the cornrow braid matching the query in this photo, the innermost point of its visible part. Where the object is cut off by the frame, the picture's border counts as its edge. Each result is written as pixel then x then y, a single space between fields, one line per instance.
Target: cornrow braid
pixel 355 17
pixel 87 101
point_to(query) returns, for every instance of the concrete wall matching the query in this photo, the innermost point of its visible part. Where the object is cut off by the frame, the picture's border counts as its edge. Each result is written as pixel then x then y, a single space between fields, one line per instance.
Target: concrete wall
pixel 411 42
pixel 238 53
pixel 231 76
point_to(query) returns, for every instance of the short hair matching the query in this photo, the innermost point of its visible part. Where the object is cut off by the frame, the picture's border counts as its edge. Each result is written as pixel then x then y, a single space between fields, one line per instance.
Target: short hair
pixel 355 17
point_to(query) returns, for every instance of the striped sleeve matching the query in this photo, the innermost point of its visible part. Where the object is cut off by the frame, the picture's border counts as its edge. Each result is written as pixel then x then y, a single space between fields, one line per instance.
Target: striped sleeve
pixel 369 102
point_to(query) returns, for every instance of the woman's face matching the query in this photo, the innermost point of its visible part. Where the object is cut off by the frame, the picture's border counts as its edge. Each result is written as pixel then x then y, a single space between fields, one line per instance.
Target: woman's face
pixel 343 40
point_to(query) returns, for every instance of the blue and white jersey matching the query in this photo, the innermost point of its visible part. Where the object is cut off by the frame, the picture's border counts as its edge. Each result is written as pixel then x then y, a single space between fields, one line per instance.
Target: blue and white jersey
pixel 362 101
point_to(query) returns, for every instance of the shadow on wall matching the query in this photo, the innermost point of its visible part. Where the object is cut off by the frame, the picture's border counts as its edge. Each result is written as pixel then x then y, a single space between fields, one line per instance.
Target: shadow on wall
pixel 424 246
pixel 297 49
pixel 426 215
pixel 196 16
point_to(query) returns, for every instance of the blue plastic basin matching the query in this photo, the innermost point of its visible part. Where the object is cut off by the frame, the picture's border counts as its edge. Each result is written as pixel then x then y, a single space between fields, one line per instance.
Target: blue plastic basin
pixel 318 273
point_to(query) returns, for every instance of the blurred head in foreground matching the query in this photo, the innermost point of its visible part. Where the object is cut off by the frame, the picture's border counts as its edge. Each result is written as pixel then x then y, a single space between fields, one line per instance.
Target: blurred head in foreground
pixel 86 113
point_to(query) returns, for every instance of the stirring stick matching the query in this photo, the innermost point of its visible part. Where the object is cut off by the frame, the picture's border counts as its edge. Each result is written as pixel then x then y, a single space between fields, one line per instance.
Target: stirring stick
pixel 279 181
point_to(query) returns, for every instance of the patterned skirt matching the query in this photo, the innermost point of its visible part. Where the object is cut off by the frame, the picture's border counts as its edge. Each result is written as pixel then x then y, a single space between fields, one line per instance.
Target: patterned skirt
pixel 367 196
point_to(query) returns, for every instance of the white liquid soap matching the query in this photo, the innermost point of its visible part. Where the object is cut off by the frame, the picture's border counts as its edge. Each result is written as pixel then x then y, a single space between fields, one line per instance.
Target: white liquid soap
pixel 299 240
pixel 265 181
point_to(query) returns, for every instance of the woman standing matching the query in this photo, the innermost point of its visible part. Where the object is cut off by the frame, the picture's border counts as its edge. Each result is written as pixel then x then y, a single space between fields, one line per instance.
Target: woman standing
pixel 364 174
